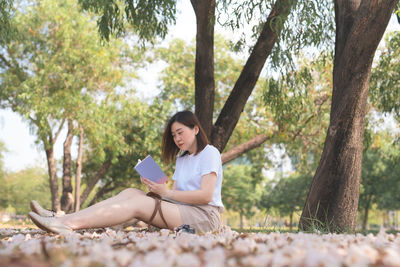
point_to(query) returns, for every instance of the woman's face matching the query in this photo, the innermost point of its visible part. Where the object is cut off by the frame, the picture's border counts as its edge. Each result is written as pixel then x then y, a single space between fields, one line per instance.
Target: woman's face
pixel 184 137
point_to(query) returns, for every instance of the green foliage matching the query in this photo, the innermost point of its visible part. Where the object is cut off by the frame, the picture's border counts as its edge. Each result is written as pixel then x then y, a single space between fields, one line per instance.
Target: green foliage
pixel 238 191
pixel 286 194
pixel 57 70
pixel 310 24
pixel 6 10
pixel 147 18
pixel 142 127
pixel 384 86
pixel 380 178
pixel 299 104
pixel 20 187
pixel 178 76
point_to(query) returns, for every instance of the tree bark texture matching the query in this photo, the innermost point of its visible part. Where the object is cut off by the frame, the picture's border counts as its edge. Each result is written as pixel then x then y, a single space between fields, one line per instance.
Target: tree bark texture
pixel 93 180
pixel 78 172
pixel 246 82
pixel 66 197
pixel 333 197
pixel 204 67
pixel 55 201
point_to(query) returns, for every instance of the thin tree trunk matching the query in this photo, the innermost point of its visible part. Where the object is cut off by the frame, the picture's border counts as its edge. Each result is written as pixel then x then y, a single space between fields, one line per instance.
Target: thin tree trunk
pixel 333 196
pixel 55 201
pixel 241 220
pixel 48 144
pixel 291 221
pixel 204 67
pixel 66 197
pixel 265 221
pixel 248 78
pixel 93 181
pixel 366 211
pixel 78 171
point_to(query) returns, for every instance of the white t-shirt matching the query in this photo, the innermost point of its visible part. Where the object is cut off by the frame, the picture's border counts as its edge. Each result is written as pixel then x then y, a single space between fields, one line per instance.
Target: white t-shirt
pixel 190 168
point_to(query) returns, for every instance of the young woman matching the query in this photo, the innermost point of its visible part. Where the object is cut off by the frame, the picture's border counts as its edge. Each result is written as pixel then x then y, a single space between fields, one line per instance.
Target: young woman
pixel 195 198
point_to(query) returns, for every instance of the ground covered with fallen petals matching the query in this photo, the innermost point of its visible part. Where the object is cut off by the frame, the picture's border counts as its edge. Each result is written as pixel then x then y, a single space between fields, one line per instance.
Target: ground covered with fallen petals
pixel 107 247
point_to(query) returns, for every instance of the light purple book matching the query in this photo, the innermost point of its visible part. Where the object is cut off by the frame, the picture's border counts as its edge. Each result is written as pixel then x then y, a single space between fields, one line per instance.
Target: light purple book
pixel 149 169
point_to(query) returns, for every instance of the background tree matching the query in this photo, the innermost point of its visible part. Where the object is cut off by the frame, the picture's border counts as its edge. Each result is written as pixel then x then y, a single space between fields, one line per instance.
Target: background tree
pixel 239 193
pixel 389 196
pixel 142 126
pixel 56 74
pixel 378 177
pixel 3 189
pixel 24 185
pixel 286 194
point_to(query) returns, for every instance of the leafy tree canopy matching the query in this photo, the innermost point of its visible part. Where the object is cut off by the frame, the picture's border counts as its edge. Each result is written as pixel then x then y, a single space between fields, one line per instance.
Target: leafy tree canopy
pixel 147 19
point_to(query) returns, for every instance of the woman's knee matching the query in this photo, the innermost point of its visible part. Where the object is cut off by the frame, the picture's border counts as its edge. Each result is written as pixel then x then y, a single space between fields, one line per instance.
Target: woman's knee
pixel 131 192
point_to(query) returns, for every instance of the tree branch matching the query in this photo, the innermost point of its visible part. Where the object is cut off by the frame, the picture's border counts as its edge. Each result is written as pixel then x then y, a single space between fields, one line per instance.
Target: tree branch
pixel 59 130
pixel 247 80
pixel 8 64
pixel 93 181
pixel 243 148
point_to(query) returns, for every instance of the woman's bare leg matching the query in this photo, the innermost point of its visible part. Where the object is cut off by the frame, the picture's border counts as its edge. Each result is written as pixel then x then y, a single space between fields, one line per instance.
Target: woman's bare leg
pixel 130 203
pixel 125 194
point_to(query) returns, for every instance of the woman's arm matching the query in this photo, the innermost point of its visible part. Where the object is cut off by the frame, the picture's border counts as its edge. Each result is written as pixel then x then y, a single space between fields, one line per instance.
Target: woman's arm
pixel 200 197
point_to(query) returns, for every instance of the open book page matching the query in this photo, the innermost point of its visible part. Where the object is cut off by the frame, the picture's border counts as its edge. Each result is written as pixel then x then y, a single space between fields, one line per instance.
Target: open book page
pixel 149 169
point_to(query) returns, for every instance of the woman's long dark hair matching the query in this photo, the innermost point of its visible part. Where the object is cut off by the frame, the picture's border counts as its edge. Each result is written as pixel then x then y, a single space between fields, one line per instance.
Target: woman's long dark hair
pixel 187 118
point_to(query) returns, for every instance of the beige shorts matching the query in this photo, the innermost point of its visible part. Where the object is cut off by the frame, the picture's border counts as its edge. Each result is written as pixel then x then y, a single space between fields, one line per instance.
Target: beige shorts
pixel 203 218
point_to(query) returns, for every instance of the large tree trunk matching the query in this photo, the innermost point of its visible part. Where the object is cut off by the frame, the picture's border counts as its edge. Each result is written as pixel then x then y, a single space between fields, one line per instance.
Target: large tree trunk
pixel 78 172
pixel 93 180
pixel 246 82
pixel 333 197
pixel 66 197
pixel 51 164
pixel 204 67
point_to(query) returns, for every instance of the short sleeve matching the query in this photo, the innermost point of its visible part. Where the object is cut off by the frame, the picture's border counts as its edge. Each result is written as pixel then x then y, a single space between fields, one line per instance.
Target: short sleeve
pixel 210 161
pixel 176 172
